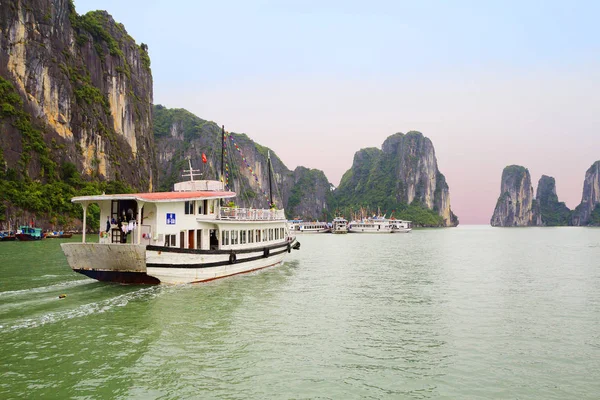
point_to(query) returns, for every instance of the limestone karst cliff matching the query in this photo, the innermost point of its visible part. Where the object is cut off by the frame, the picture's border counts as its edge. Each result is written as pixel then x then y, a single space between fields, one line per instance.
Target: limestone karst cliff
pixel 402 178
pixel 552 212
pixel 516 205
pixel 588 211
pixel 180 135
pixel 75 107
pixel 87 88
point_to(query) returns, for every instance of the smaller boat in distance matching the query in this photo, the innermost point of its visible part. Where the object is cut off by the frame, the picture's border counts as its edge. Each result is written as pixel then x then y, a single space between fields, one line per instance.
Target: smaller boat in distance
pixel 299 226
pixel 7 236
pixel 371 225
pixel 379 225
pixel 400 226
pixel 58 235
pixel 27 233
pixel 339 225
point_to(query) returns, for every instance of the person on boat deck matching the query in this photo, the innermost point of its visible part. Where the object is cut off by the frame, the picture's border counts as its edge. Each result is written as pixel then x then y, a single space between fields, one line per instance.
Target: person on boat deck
pixel 107 224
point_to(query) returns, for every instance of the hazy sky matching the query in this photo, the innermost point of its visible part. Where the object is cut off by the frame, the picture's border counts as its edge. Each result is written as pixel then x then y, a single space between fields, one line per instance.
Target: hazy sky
pixel 490 83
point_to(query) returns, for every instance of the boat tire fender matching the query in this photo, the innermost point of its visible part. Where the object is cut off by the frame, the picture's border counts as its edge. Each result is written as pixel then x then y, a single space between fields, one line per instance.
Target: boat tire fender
pixel 289 248
pixel 232 258
pixel 266 253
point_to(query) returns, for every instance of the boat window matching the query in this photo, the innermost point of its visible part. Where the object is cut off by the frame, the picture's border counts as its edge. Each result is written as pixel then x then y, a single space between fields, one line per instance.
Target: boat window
pixel 258 235
pixel 171 240
pixel 250 236
pixel 225 238
pixel 234 237
pixel 200 207
pixel 264 235
pixel 281 233
pixel 242 237
pixel 276 234
pixel 270 234
pixel 212 207
pixel 189 207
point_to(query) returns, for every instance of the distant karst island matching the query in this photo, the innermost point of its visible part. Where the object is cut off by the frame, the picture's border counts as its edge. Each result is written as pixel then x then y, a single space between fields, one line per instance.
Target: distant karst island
pixel 517 206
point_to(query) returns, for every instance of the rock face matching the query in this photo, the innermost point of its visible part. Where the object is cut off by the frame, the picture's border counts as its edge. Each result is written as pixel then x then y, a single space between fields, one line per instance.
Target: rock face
pixel 588 211
pixel 86 87
pixel 516 205
pixel 403 173
pixel 180 135
pixel 553 212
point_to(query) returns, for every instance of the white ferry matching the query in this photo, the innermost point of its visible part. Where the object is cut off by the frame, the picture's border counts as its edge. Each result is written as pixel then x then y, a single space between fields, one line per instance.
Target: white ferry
pixel 182 236
pixel 299 226
pixel 401 226
pixel 379 225
pixel 339 225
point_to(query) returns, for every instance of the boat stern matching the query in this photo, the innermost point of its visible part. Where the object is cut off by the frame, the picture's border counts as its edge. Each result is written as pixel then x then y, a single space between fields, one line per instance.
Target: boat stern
pixel 115 262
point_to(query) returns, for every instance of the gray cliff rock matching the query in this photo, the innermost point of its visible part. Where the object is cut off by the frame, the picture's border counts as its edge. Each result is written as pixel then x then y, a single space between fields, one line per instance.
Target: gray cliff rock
pixel 87 87
pixel 588 211
pixel 403 173
pixel 516 205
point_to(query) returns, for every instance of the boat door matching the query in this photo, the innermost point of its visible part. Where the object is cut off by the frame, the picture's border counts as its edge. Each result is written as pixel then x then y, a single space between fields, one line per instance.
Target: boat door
pixel 182 239
pixel 191 239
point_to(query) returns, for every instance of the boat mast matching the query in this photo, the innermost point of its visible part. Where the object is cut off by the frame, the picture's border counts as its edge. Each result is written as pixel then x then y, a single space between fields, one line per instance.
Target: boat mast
pixel 222 154
pixel 270 185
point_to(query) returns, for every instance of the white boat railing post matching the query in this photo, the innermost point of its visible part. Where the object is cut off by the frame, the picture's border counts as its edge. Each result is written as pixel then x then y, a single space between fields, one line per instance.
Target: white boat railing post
pixel 85 206
pixel 138 219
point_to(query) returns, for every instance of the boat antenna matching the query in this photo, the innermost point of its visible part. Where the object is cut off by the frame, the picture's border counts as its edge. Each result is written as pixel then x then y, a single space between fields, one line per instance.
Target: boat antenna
pixel 222 153
pixel 270 185
pixel 191 171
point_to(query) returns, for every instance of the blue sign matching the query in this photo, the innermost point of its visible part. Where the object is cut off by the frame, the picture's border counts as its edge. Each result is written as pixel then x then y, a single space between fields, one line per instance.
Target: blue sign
pixel 170 218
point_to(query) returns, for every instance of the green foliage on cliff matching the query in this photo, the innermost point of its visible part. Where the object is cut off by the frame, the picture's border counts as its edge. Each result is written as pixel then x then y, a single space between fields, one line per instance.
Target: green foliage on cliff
pixel 94 22
pixel 307 186
pixel 553 212
pixel 11 111
pixel 164 118
pixel 145 56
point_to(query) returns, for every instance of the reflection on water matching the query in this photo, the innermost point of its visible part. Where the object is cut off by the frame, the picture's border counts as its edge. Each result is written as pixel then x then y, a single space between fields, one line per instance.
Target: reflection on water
pixel 471 312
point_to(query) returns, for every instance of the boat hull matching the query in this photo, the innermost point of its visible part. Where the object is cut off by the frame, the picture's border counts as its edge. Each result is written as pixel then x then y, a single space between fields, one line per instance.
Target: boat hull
pixel 63 236
pixel 23 237
pixel 141 264
pixel 359 230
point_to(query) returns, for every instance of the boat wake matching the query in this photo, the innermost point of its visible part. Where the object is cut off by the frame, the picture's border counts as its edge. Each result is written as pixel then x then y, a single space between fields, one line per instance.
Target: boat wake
pixel 50 288
pixel 99 307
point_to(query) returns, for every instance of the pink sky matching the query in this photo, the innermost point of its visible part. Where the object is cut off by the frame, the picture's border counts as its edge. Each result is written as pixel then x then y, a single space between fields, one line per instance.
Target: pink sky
pixel 491 83
pixel 547 122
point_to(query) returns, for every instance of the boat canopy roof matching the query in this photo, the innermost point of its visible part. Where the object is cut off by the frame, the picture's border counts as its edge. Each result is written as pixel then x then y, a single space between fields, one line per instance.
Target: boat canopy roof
pixel 157 197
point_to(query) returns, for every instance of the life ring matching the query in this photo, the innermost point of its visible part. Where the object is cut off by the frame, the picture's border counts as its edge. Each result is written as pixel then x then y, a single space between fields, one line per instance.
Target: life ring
pixel 232 258
pixel 266 253
pixel 289 248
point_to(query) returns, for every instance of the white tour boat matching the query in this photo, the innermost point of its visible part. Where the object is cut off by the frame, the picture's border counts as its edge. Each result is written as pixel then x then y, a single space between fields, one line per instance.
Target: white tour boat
pixel 401 226
pixel 339 225
pixel 181 236
pixel 379 225
pixel 299 226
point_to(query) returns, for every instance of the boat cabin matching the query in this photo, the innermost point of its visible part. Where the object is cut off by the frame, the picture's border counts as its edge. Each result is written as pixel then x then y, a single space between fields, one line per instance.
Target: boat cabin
pixel 191 217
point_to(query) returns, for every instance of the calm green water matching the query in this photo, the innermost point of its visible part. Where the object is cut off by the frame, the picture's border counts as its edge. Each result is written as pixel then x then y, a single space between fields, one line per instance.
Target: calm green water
pixel 465 313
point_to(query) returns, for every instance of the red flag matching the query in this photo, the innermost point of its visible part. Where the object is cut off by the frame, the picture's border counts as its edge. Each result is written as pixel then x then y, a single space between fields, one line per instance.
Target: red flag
pixel 204 158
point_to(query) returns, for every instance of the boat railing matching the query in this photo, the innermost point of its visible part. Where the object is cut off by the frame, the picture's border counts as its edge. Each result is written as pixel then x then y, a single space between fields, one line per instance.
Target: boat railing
pixel 250 214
